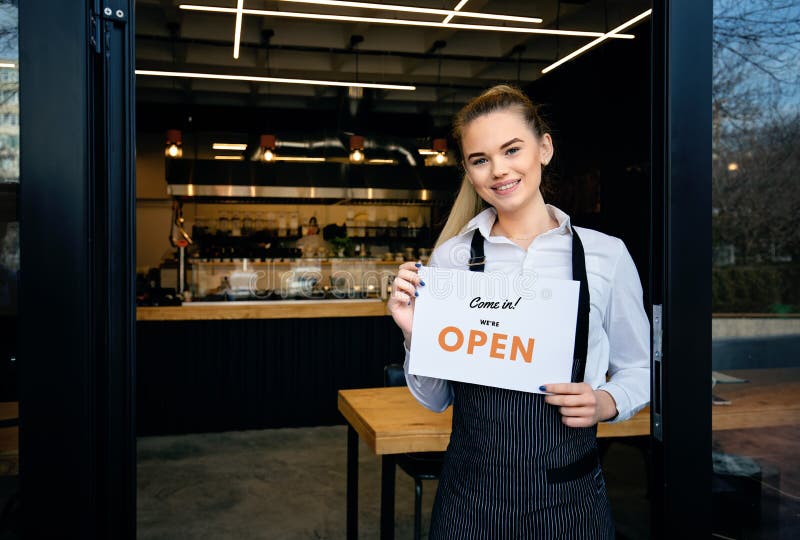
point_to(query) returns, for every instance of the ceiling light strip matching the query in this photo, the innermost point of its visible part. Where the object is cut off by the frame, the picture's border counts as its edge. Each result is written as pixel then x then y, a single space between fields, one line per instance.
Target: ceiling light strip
pixel 229 158
pixel 464 14
pixel 420 10
pixel 7 65
pixel 299 159
pixel 404 22
pixel 597 41
pixel 217 76
pixel 228 146
pixel 238 30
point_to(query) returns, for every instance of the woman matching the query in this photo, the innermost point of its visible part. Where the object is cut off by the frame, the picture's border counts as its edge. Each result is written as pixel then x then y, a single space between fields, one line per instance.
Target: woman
pixel 520 464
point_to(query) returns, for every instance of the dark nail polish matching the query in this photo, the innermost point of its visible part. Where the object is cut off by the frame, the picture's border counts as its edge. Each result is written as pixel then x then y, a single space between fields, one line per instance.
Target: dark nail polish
pixel 422 283
pixel 417 264
pixel 416 293
pixel 543 388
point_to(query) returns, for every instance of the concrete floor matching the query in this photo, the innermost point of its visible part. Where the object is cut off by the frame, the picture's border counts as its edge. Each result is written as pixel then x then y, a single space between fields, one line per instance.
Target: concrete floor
pixel 290 484
pixel 282 483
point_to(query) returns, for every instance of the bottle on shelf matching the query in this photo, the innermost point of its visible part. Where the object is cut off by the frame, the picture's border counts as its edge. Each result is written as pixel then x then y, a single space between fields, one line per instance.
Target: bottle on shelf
pixel 281 224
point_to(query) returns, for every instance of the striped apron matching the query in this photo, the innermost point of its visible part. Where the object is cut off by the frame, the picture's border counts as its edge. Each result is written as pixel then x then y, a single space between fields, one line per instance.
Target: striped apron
pixel 512 468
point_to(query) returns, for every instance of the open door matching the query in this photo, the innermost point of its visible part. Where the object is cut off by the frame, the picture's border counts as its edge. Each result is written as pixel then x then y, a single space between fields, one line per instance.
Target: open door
pixel 76 206
pixel 681 258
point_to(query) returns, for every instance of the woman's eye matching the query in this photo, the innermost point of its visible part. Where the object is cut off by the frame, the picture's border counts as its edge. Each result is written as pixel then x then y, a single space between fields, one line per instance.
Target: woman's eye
pixel 479 161
pixel 512 150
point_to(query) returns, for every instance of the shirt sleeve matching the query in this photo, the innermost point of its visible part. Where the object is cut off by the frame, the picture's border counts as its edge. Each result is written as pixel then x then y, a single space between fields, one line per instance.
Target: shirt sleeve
pixel 432 393
pixel 628 331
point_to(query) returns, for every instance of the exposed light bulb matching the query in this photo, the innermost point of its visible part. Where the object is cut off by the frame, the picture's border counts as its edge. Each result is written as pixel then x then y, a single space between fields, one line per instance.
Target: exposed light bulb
pixel 173 150
pixel 357 156
pixel 733 166
pixel 268 155
pixel 440 158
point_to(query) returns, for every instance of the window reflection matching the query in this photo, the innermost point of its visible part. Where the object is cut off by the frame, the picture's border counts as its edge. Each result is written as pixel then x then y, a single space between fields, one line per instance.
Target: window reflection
pixel 756 268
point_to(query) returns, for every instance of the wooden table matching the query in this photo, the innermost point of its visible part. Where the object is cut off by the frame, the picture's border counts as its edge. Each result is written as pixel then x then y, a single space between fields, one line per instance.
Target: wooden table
pixel 9 437
pixel 390 421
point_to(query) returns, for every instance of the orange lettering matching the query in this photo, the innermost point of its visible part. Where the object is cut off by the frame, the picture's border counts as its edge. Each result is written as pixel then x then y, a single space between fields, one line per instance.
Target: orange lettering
pixel 516 346
pixel 497 346
pixel 476 339
pixel 459 339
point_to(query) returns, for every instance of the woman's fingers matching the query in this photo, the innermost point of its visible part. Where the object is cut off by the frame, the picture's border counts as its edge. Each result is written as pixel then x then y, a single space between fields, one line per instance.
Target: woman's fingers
pixel 404 286
pixel 410 265
pixel 576 402
pixel 409 275
pixel 570 400
pixel 577 422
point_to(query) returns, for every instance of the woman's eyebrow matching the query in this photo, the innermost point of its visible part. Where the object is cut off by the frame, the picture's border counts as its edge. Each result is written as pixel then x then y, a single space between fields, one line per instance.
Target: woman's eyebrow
pixel 509 143
pixel 512 141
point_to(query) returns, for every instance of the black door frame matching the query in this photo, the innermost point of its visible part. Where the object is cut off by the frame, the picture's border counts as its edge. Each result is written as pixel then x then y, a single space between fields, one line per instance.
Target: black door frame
pixel 77 213
pixel 681 268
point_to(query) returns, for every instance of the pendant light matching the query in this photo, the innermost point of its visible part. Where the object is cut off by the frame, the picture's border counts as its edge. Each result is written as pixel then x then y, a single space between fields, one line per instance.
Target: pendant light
pixel 440 147
pixel 356 149
pixel 267 148
pixel 174 146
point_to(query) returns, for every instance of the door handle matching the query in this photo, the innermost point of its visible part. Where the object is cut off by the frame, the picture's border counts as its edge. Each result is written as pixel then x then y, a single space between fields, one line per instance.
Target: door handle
pixel 656 372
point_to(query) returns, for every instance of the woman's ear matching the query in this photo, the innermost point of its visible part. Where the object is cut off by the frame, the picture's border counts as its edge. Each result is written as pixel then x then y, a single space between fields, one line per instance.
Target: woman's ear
pixel 546 148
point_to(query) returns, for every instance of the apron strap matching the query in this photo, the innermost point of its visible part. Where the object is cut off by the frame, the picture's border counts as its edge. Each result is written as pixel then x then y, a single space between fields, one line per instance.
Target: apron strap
pixel 477 259
pixel 582 324
pixel 477 263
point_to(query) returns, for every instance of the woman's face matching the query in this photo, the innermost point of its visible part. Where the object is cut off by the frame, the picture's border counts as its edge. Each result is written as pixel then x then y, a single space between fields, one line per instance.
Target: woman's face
pixel 503 159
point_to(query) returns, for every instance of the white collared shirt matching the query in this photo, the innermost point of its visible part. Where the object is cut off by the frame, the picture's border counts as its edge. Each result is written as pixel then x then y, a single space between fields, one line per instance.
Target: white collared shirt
pixel 619 331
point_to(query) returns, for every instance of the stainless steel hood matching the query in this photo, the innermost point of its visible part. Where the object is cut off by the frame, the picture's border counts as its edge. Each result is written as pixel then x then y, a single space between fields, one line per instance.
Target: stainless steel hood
pixel 323 182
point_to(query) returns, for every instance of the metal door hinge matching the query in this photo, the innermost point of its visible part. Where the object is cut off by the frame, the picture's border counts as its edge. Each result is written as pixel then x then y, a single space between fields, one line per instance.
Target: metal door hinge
pixel 108 14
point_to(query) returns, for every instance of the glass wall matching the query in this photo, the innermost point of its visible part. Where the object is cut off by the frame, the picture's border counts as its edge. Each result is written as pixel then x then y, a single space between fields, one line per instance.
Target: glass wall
pixel 756 269
pixel 9 244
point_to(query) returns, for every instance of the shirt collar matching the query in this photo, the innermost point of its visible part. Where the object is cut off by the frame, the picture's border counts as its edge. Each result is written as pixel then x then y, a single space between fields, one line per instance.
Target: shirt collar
pixel 486 219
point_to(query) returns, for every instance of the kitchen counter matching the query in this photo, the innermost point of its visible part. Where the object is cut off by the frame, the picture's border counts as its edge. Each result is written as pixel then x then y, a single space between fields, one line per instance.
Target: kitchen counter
pixel 273 309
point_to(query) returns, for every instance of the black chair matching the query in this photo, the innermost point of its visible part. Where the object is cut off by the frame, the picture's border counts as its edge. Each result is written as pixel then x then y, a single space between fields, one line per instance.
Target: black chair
pixel 419 465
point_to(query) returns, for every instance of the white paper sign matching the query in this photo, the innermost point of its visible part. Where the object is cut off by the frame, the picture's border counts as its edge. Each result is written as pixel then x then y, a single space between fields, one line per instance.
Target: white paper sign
pixel 512 331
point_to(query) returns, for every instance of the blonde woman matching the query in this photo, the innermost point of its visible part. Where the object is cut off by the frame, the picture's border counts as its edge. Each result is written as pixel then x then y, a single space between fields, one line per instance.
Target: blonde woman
pixel 525 464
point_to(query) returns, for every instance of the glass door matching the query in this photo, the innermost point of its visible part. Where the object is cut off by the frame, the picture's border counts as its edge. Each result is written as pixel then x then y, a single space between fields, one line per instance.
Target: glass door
pixel 755 299
pixel 9 253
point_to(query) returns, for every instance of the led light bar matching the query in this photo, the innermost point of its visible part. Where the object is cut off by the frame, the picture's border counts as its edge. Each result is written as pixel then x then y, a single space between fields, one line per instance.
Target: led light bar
pixel 228 146
pixel 7 65
pixel 458 8
pixel 218 76
pixel 403 22
pixel 597 41
pixel 299 158
pixel 237 33
pixel 426 11
pixel 229 158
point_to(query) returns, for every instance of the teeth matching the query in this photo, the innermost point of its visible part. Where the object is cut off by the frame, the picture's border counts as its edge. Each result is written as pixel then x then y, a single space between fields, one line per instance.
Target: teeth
pixel 507 186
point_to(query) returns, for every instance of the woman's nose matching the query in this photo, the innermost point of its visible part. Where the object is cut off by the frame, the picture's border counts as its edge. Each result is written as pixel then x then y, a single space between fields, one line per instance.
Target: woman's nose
pixel 499 170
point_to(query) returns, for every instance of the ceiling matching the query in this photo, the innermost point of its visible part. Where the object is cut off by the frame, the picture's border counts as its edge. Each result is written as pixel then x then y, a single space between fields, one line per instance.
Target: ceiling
pixel 448 66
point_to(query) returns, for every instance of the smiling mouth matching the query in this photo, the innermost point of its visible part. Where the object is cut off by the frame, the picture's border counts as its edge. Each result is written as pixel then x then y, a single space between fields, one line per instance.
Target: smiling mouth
pixel 508 185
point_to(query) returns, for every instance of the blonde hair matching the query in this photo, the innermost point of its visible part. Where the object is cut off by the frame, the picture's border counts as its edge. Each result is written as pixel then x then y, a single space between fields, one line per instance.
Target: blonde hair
pixel 497 98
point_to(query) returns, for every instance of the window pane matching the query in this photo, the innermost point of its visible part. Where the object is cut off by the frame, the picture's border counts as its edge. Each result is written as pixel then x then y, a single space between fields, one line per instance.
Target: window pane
pixel 9 240
pixel 756 270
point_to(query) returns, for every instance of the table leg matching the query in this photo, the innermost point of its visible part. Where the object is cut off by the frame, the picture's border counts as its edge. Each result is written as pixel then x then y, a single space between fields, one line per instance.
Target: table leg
pixel 352 483
pixel 387 497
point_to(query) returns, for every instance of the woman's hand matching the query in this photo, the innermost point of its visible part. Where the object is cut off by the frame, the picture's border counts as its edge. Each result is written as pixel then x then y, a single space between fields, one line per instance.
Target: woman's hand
pixel 579 404
pixel 401 302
